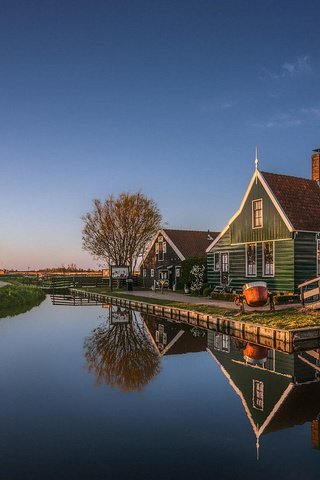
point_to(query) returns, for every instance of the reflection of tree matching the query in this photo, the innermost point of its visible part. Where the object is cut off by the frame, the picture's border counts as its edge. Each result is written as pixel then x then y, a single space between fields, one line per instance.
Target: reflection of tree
pixel 122 355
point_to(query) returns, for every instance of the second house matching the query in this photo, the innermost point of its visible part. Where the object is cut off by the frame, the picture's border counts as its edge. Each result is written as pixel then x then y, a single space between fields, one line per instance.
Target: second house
pixel 167 251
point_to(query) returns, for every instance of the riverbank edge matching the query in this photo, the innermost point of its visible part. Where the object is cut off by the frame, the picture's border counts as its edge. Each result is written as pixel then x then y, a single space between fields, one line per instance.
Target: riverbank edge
pixel 16 299
pixel 270 336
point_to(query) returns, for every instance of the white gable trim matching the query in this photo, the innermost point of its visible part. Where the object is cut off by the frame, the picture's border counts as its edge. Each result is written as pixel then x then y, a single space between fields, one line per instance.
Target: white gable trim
pixel 168 240
pixel 150 247
pixel 172 245
pixel 257 175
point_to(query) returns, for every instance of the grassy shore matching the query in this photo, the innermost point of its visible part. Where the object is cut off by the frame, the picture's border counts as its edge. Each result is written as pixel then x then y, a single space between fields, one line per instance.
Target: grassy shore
pixel 287 319
pixel 16 299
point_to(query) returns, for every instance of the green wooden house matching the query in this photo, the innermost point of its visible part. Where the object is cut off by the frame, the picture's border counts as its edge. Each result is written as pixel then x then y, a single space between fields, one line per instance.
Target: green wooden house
pixel 274 236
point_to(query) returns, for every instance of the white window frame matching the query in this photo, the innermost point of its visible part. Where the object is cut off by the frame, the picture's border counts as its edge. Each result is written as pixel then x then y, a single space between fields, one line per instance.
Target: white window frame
pixel 161 251
pixel 264 274
pixel 253 211
pixel 318 256
pixel 215 269
pixel 258 395
pixel 222 342
pixel 251 274
pixel 144 272
pixel 152 272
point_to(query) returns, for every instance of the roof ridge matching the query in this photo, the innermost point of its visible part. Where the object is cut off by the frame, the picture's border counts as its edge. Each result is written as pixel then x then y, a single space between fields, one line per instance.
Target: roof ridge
pixel 290 176
pixel 187 230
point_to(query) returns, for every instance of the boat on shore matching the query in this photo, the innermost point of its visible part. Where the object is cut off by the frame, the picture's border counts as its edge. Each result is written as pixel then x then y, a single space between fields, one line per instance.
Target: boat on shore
pixel 255 294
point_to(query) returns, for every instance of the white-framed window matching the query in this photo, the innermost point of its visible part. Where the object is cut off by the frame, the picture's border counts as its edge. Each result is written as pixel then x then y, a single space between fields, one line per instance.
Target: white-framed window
pixel 161 249
pixel 258 394
pixel 225 262
pixel 222 342
pixel 257 214
pixel 144 272
pixel 216 261
pixel 251 260
pixel 318 256
pixel 268 262
pixel 152 272
pixel 177 272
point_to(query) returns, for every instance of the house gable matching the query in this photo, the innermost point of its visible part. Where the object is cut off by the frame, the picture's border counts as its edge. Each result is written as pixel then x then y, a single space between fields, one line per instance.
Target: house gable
pixel 258 188
pixel 274 224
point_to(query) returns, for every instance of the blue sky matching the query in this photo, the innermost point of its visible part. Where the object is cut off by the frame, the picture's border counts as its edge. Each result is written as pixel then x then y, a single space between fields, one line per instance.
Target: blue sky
pixel 166 97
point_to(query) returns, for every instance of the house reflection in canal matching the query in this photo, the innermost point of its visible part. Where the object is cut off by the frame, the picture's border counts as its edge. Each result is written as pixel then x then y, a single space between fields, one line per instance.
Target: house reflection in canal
pixel 277 390
pixel 172 338
pixel 126 349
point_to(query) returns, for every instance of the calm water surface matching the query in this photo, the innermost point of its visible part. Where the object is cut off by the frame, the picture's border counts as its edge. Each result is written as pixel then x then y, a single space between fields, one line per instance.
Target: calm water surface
pixel 86 394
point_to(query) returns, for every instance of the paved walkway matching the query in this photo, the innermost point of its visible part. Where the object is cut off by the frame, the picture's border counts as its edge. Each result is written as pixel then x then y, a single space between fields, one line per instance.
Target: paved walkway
pixel 2 284
pixel 182 297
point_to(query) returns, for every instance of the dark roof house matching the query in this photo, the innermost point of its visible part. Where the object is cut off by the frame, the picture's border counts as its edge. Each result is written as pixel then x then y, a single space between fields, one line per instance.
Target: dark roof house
pixel 168 249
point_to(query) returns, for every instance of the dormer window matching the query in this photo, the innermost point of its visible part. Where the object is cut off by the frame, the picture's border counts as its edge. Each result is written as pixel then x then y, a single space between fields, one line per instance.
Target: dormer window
pixel 257 213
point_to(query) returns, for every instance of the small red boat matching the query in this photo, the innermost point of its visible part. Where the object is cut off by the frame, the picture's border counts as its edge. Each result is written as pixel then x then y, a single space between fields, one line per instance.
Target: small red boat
pixel 255 354
pixel 255 294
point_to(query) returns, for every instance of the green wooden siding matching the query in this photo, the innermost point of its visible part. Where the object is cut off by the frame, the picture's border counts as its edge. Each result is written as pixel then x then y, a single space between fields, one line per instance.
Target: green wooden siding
pixel 305 257
pixel 283 280
pixel 273 226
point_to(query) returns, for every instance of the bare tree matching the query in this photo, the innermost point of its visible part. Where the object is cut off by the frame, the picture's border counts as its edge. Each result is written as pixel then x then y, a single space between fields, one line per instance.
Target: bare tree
pixel 120 229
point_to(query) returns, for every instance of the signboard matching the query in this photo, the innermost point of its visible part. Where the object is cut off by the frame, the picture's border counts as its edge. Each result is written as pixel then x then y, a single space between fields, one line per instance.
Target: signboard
pixel 121 273
pixel 119 315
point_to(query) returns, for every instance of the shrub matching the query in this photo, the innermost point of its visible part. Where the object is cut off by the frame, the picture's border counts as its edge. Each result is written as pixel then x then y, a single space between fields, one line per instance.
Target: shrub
pixel 207 291
pixel 227 297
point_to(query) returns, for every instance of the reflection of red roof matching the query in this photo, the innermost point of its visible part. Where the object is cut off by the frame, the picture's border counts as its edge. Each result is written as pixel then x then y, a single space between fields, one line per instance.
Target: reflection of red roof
pixel 296 195
pixel 191 243
pixel 187 343
pixel 302 405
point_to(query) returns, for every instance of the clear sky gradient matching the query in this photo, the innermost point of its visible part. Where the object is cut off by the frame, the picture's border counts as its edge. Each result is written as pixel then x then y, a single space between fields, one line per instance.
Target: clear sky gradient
pixel 166 97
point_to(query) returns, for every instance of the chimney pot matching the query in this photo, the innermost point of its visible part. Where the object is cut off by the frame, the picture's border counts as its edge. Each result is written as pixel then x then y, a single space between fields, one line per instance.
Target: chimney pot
pixel 316 165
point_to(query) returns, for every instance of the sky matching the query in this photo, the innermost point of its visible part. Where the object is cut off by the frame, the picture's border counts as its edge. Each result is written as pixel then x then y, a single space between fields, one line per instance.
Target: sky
pixel 168 97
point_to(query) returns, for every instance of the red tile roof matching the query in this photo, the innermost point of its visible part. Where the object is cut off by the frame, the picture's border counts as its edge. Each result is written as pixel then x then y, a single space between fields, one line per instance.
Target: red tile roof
pixel 191 243
pixel 299 199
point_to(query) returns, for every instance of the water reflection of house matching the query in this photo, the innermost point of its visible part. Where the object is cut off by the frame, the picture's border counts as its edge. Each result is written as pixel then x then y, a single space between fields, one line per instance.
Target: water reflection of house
pixel 172 338
pixel 277 390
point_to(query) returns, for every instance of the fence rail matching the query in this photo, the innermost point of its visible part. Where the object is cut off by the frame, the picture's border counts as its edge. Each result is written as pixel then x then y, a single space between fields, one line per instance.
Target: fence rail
pixel 310 291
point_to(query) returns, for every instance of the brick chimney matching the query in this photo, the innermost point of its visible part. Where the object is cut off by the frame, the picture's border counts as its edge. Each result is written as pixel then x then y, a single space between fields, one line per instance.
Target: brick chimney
pixel 316 165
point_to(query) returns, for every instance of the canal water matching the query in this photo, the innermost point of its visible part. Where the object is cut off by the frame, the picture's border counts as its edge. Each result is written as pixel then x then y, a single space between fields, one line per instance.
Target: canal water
pixel 98 392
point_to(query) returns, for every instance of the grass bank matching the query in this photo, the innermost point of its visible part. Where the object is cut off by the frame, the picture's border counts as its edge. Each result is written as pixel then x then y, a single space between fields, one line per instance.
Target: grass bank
pixel 286 319
pixel 16 299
